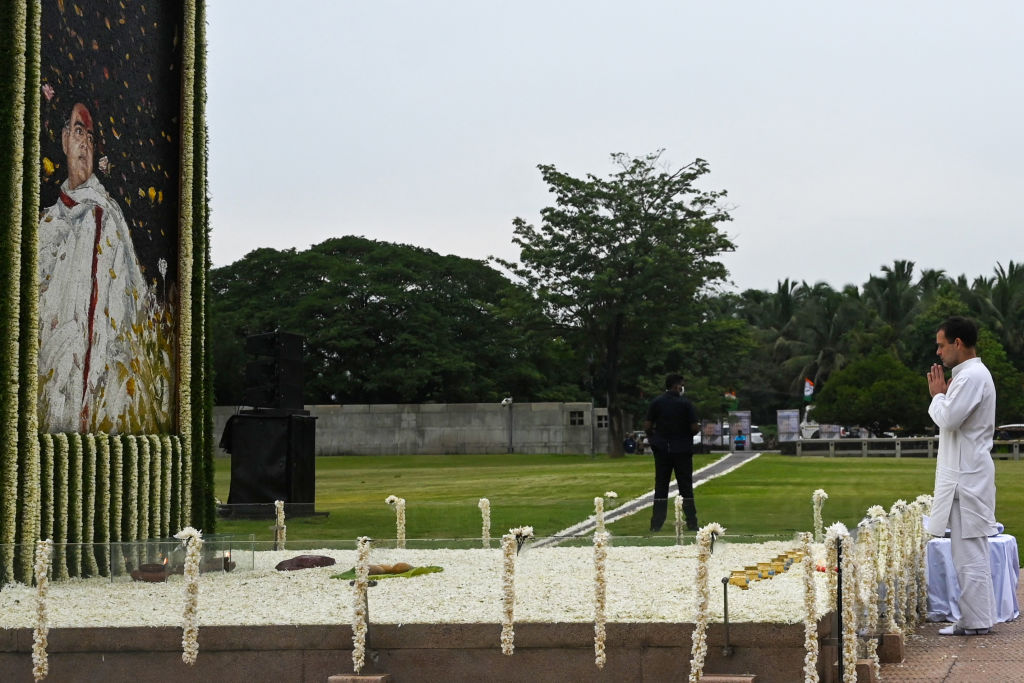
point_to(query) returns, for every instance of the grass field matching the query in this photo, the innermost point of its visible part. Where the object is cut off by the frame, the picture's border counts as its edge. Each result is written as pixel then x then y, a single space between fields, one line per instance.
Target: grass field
pixel 769 496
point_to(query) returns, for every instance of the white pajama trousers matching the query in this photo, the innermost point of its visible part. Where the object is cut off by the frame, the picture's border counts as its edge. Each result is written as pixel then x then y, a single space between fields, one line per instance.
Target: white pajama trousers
pixel 974 573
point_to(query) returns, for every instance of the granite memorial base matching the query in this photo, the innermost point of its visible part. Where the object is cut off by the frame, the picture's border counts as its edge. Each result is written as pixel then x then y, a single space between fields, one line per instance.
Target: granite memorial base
pixel 774 653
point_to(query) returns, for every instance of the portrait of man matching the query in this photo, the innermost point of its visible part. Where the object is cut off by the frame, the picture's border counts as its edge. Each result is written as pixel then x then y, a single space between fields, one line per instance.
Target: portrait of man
pixel 108 223
pixel 91 293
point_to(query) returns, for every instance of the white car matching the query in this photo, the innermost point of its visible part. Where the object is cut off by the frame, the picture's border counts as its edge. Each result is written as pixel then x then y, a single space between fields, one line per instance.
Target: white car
pixel 756 437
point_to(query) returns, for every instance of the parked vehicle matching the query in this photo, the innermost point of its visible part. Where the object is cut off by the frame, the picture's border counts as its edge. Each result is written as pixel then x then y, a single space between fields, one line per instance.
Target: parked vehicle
pixel 756 436
pixel 1010 432
pixel 809 429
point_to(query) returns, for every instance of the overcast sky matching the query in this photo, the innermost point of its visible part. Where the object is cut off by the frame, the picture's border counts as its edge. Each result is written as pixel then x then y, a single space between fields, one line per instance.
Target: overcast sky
pixel 847 135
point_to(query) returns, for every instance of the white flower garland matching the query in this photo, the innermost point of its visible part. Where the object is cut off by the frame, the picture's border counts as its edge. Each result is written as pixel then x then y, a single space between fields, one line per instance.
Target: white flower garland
pixel 849 565
pixel 359 621
pixel 599 509
pixel 699 649
pixel 177 517
pixel 508 593
pixel 186 256
pixel 40 660
pixel 832 559
pixel 924 503
pixel 818 499
pixel 897 571
pixel 810 611
pixel 184 450
pixel 876 666
pixel 510 544
pixel 46 454
pixel 12 247
pixel 133 489
pixel 485 522
pixel 60 516
pixel 679 519
pixel 280 530
pixel 165 448
pixel 868 586
pixel 104 477
pixel 89 505
pixel 192 539
pixel 156 487
pixel 145 478
pixel 909 553
pixel 600 596
pixel 75 484
pixel 399 505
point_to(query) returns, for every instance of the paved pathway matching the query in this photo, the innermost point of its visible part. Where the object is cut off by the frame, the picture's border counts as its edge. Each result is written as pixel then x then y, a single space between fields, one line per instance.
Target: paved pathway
pixel 995 658
pixel 716 469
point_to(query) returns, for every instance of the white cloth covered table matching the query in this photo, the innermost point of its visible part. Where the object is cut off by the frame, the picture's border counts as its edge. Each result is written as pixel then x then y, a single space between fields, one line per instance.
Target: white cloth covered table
pixel 944 589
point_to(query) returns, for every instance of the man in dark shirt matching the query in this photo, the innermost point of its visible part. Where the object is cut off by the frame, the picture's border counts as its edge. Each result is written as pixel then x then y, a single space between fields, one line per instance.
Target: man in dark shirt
pixel 671 423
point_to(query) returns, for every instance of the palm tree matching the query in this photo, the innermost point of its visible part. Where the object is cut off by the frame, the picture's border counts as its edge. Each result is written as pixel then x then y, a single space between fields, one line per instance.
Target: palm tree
pixel 825 324
pixel 1001 303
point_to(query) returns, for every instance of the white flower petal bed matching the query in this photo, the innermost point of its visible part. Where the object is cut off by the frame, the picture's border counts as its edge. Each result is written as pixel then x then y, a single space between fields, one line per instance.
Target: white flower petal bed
pixel 644 584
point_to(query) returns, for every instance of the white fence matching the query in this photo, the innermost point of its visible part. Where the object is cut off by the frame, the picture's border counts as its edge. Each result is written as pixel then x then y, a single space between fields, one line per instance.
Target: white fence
pixel 914 447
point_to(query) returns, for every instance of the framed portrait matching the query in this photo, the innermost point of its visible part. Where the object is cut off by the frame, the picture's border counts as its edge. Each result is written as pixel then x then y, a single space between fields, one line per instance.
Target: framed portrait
pixel 109 215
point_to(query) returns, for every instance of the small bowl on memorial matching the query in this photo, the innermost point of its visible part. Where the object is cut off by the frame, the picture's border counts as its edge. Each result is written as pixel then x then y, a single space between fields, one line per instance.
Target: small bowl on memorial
pixel 151 572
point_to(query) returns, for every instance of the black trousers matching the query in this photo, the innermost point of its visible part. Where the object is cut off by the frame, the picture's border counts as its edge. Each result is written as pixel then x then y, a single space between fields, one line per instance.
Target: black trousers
pixel 665 463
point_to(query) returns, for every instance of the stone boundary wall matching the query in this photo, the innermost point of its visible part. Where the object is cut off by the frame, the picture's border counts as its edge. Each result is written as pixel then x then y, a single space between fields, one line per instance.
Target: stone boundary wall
pixel 411 652
pixel 452 428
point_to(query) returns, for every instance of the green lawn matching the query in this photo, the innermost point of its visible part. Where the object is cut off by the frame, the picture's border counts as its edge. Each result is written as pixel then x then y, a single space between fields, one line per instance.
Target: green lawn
pixel 769 496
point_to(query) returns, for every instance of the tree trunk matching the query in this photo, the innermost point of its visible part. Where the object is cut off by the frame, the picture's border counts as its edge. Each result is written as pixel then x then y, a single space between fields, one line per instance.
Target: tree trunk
pixel 615 432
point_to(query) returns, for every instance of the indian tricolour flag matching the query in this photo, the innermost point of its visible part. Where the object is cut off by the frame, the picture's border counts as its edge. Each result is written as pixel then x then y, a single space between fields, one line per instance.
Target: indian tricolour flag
pixel 808 389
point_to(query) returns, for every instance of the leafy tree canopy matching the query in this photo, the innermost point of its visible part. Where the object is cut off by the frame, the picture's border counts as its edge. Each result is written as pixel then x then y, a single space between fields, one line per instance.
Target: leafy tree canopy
pixel 619 261
pixel 877 392
pixel 388 323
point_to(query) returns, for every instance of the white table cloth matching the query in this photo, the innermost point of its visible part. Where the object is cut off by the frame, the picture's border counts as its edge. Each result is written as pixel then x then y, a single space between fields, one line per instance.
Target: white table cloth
pixel 944 589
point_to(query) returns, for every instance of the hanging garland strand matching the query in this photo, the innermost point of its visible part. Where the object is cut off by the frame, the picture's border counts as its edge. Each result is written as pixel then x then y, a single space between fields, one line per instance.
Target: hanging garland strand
pixel 28 366
pixel 89 505
pixel 60 513
pixel 600 596
pixel 810 610
pixel 699 649
pixel 485 522
pixel 359 598
pixel 192 539
pixel 12 173
pixel 40 661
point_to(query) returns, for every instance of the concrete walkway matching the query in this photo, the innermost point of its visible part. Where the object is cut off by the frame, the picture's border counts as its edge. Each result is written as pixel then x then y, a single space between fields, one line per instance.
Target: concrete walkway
pixel 720 467
pixel 995 658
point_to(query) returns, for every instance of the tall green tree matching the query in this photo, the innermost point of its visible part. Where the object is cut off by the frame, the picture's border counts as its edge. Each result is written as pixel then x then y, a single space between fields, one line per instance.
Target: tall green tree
pixel 618 260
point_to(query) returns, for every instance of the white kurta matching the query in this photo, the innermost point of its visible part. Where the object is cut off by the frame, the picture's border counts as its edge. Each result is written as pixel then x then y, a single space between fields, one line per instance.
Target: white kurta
pixel 91 290
pixel 966 416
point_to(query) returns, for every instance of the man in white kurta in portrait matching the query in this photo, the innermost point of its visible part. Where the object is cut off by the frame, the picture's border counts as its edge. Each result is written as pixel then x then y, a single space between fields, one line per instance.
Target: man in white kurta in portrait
pixel 91 290
pixel 964 409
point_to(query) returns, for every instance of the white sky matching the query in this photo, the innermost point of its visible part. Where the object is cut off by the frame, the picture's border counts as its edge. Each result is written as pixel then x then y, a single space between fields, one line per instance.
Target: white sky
pixel 848 135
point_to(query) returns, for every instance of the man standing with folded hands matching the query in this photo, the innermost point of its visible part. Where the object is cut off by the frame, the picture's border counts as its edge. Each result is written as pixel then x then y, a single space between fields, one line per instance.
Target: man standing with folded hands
pixel 964 409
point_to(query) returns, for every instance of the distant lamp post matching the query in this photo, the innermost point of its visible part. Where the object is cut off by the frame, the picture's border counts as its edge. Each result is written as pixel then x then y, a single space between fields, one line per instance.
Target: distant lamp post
pixel 507 403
